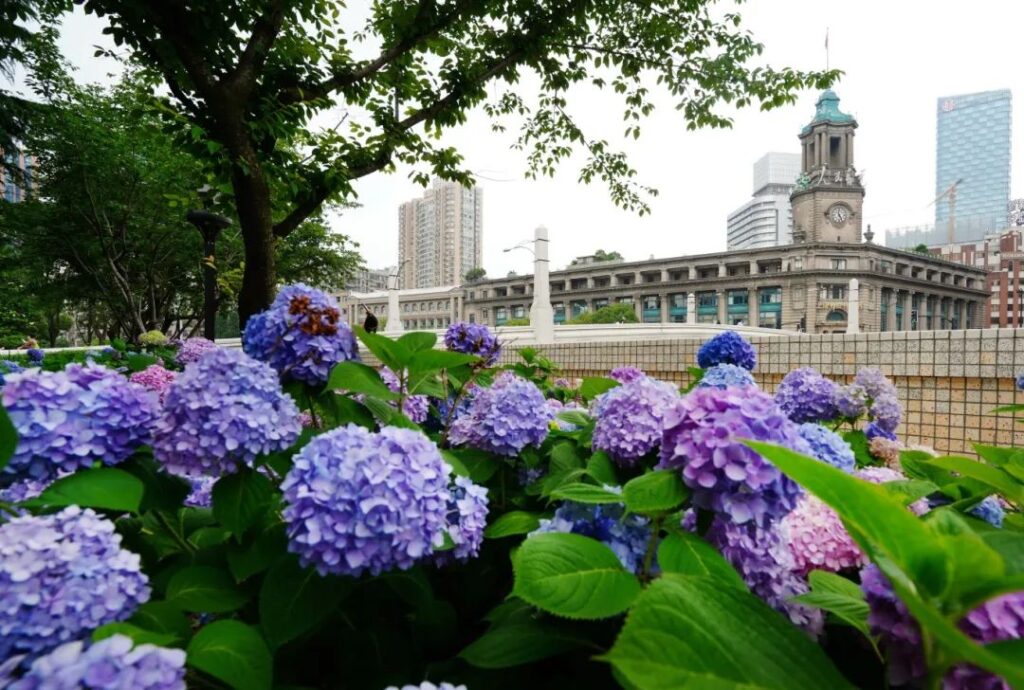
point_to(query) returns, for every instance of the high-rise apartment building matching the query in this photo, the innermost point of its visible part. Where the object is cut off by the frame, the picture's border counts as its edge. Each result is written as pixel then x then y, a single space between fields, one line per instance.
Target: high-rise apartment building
pixel 440 235
pixel 973 146
pixel 370 279
pixel 767 219
pixel 16 184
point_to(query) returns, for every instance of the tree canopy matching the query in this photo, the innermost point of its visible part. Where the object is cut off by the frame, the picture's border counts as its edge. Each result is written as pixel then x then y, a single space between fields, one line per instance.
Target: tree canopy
pixel 599 255
pixel 613 313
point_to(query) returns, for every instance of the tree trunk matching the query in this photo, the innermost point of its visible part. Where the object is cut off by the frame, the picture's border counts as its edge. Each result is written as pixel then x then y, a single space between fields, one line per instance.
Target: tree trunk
pixel 252 199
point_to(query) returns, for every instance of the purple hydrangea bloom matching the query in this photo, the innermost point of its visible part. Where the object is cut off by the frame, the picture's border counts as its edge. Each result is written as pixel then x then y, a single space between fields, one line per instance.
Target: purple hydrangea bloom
pixel 1020 382
pixel 155 378
pixel 851 401
pixel 703 433
pixel 35 356
pixel 999 619
pixel 223 411
pixel 357 501
pixel 10 367
pixel 886 413
pixel 70 419
pixel 626 374
pixel 427 685
pixel 110 663
pixel 873 431
pixel 473 339
pixel 629 418
pixel 61 576
pixel 898 633
pixel 505 418
pixel 764 561
pixel 415 407
pixel 301 335
pixel 728 347
pixel 192 349
pixel 875 383
pixel 528 475
pixel 989 510
pixel 201 495
pixel 626 535
pixel 26 489
pixel 725 375
pixel 829 447
pixel 467 518
pixel 807 396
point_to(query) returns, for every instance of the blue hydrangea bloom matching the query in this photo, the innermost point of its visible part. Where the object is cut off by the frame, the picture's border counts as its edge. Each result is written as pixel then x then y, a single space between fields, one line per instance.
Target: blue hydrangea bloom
pixel 415 407
pixel 61 576
pixel 35 356
pixel 114 662
pixel 989 510
pixel 626 374
pixel 725 375
pixel 473 339
pixel 191 349
pixel 505 418
pixel 851 401
pixel 728 347
pixel 1020 382
pixel 201 495
pixel 629 418
pixel 626 535
pixel 886 412
pixel 70 419
pixel 222 411
pixel 829 447
pixel 301 335
pixel 26 489
pixel 875 383
pixel 357 501
pixel 467 518
pixel 807 396
pixel 873 430
pixel 703 434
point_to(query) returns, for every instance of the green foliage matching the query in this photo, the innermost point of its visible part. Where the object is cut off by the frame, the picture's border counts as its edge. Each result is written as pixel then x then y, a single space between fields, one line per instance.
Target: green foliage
pixel 234 653
pixel 687 554
pixel 613 313
pixel 598 256
pixel 838 596
pixel 518 322
pixel 655 492
pixel 104 487
pixel 474 274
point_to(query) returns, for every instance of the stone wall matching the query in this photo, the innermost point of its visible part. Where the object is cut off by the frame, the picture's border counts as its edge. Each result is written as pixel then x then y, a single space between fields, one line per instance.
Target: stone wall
pixel 949 381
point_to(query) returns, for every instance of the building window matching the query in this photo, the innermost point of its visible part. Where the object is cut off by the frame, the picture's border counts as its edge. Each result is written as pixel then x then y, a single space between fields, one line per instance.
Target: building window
pixel 600 303
pixel 836 315
pixel 518 311
pixel 770 295
pixel 838 264
pixel 707 299
pixel 827 292
pixel 737 298
pixel 578 284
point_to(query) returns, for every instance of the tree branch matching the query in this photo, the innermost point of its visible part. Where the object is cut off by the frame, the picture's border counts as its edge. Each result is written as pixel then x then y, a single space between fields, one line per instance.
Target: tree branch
pixel 252 59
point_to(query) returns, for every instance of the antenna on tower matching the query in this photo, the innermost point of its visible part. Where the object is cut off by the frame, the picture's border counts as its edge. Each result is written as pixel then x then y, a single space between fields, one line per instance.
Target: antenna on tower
pixel 826 49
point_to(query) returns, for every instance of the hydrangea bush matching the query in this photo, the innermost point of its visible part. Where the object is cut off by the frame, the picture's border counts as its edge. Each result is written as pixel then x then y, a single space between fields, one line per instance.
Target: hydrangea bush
pixel 443 521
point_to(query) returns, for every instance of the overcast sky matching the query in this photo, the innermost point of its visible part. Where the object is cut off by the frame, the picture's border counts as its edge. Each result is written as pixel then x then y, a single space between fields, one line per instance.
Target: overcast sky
pixel 898 58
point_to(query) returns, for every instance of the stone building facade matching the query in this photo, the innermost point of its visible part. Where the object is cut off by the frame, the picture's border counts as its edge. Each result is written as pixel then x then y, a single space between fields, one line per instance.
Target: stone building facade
pixel 421 309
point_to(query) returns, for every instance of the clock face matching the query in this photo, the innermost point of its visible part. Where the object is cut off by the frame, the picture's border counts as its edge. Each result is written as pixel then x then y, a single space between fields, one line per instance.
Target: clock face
pixel 838 214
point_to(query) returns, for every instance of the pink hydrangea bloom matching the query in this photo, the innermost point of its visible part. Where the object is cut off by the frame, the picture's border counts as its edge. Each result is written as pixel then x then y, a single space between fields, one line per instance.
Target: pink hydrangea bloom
pixel 818 540
pixel 886 450
pixel 155 378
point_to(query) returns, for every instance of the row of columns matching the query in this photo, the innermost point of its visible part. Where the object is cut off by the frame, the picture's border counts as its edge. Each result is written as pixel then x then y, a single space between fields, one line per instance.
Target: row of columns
pixel 956 313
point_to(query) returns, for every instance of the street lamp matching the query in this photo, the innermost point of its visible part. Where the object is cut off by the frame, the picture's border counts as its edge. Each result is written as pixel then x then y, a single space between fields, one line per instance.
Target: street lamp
pixel 394 324
pixel 209 225
pixel 542 315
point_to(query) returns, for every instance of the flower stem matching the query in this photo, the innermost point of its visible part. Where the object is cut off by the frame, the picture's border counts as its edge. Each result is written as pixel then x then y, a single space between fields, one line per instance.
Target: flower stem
pixel 179 539
pixel 652 547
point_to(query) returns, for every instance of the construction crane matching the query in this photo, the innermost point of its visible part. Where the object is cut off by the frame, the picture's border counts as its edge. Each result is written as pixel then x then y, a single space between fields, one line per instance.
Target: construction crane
pixel 950 194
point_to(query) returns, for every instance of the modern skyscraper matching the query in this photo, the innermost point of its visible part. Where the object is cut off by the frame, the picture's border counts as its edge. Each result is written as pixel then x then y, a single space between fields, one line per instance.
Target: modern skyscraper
pixel 15 184
pixel 767 219
pixel 440 235
pixel 973 146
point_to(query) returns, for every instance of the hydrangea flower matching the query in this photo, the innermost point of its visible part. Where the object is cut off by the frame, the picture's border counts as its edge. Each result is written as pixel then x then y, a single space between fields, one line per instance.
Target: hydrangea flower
pixel 999 619
pixel 192 349
pixel 728 347
pixel 561 382
pixel 1020 382
pixel 884 475
pixel 873 431
pixel 629 418
pixel 875 383
pixel 427 685
pixel 851 401
pixel 703 433
pixel 153 338
pixel 626 535
pixel 886 413
pixel 762 558
pixel 725 375
pixel 898 633
pixel 61 576
pixel 357 501
pixel 828 446
pixel 818 540
pixel 155 378
pixel 467 518
pixel 473 339
pixel 626 374
pixel 223 411
pixel 110 663
pixel 415 407
pixel 989 510
pixel 302 335
pixel 26 489
pixel 505 418
pixel 70 419
pixel 35 356
pixel 886 450
pixel 201 495
pixel 807 396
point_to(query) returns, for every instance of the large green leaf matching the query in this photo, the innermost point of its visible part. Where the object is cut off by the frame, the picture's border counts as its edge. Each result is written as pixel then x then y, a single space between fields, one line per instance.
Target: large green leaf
pixel 690 632
pixel 688 554
pixel 435 360
pixel 655 492
pixel 840 597
pixel 511 524
pixel 240 499
pixel 601 469
pixel 595 386
pixel 162 491
pixel 162 617
pixel 8 438
pixel 356 377
pixel 204 589
pixel 136 634
pixel 418 340
pixel 234 653
pixel 249 559
pixel 294 600
pixel 992 476
pixel 585 493
pixel 103 487
pixel 390 352
pixel 519 643
pixel 572 576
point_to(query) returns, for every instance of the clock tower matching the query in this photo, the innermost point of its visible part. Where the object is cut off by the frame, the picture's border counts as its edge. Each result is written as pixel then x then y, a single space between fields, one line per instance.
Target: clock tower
pixel 829 197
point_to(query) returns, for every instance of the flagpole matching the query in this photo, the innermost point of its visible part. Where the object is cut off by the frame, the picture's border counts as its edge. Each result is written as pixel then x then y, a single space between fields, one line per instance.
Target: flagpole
pixel 826 50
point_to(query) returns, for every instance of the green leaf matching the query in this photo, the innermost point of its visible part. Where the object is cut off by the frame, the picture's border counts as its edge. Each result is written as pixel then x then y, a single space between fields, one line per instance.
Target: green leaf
pixel 356 377
pixel 204 589
pixel 688 554
pixel 911 490
pixel 840 597
pixel 655 492
pixel 8 438
pixel 387 414
pixel 234 653
pixel 138 635
pixel 390 352
pixel 601 468
pixel 575 417
pixel 436 360
pixel 103 487
pixel 586 493
pixel 162 617
pixel 859 444
pixel 690 632
pixel 996 456
pixel 248 560
pixel 992 476
pixel 161 491
pixel 240 499
pixel 572 576
pixel 1010 546
pixel 418 340
pixel 506 646
pixel 480 465
pixel 511 524
pixel 595 386
pixel 138 362
pixel 294 600
pixel 206 537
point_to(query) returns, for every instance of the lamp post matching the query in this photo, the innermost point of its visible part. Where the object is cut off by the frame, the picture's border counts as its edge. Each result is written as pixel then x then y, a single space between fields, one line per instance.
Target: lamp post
pixel 394 324
pixel 209 225
pixel 542 315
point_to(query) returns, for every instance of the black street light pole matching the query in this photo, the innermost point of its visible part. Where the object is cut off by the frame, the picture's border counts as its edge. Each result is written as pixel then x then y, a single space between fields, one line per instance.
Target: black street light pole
pixel 209 225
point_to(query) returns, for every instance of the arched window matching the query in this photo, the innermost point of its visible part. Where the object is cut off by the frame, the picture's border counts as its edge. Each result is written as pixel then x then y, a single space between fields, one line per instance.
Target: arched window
pixel 836 315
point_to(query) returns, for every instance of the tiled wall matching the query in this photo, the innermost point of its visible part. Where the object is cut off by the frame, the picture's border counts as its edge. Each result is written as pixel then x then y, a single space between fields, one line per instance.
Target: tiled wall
pixel 949 381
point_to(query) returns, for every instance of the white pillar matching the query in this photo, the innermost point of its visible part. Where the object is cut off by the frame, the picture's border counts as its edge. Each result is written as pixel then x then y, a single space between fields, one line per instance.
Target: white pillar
pixel 542 316
pixel 691 308
pixel 394 324
pixel 853 307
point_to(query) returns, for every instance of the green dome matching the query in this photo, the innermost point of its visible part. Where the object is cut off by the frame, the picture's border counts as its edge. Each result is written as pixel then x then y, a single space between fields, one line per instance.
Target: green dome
pixel 828 111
